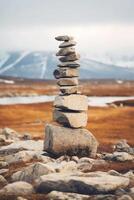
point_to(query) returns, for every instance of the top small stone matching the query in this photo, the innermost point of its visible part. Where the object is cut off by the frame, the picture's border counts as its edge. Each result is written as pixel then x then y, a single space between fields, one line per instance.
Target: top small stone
pixel 64 38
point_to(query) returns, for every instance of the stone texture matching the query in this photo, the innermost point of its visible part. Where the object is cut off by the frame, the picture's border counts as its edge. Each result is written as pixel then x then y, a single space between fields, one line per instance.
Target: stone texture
pixel 67 141
pixel 73 102
pixel 69 43
pixel 22 156
pixel 64 38
pixel 70 119
pixel 119 156
pixel 32 172
pixel 122 146
pixel 55 195
pixel 21 145
pixel 69 64
pixel 3 181
pixel 125 197
pixel 69 89
pixel 9 134
pixel 82 183
pixel 65 51
pixel 3 171
pixel 71 57
pixel 3 164
pixel 17 188
pixel 66 72
pixel 21 198
pixel 67 82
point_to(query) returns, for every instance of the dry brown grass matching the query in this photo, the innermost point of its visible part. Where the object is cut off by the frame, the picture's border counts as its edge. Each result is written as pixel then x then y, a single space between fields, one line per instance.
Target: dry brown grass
pixel 108 124
pixel 90 88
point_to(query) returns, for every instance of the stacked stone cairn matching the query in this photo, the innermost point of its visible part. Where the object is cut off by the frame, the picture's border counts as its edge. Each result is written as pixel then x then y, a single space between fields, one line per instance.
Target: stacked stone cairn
pixel 70 108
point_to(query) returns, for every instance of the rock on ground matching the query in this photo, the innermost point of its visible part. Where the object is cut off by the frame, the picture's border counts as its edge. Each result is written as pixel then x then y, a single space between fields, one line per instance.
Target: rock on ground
pixel 3 181
pixel 32 172
pixel 27 145
pixel 61 141
pixel 125 197
pixel 17 188
pixel 55 195
pixel 22 156
pixel 122 146
pixel 90 183
pixel 9 134
pixel 119 156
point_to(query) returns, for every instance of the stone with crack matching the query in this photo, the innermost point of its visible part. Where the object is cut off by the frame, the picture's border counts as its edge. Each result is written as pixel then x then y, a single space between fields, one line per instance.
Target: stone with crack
pixel 70 118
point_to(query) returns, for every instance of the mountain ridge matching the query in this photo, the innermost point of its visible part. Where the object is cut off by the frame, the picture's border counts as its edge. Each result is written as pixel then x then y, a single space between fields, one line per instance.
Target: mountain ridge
pixel 41 64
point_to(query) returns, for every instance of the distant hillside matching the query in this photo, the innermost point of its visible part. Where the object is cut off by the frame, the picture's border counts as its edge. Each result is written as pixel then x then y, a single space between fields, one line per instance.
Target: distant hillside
pixel 41 65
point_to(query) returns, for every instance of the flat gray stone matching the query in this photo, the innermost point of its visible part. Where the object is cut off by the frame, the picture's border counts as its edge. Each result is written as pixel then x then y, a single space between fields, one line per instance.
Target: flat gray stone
pixel 67 141
pixel 82 183
pixel 65 51
pixel 67 82
pixel 70 118
pixel 17 188
pixel 54 195
pixel 69 58
pixel 69 43
pixel 21 145
pixel 32 172
pixel 75 102
pixel 69 90
pixel 64 38
pixel 23 156
pixel 66 72
pixel 69 64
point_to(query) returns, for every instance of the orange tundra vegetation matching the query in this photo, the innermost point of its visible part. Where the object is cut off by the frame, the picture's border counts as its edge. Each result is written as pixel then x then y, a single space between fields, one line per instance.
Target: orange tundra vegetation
pixel 108 124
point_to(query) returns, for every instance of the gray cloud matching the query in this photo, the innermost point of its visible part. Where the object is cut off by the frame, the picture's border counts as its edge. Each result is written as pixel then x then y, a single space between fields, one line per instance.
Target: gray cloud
pixel 98 25
pixel 20 13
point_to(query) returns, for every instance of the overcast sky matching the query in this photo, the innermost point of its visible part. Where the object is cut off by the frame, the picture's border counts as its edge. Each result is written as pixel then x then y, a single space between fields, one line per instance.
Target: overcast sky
pixel 100 26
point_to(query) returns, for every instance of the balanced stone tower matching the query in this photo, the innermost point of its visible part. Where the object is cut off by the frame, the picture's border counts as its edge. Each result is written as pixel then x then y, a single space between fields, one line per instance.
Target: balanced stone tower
pixel 70 108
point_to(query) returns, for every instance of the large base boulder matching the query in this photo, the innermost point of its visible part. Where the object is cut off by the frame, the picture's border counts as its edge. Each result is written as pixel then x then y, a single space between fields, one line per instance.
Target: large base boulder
pixel 61 141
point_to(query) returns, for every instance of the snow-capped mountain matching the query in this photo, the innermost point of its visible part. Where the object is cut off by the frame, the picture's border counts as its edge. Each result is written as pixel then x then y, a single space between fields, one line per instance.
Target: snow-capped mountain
pixel 40 65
